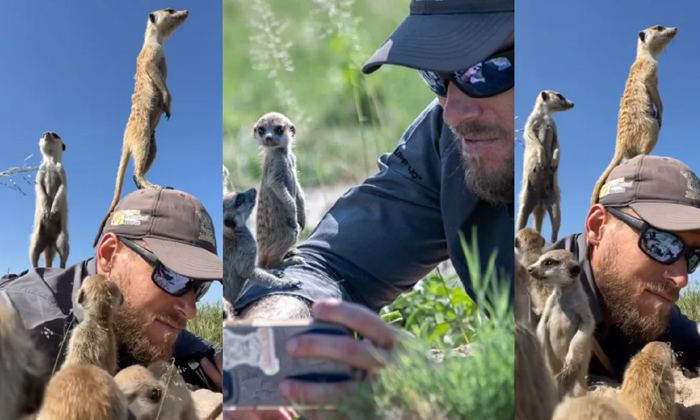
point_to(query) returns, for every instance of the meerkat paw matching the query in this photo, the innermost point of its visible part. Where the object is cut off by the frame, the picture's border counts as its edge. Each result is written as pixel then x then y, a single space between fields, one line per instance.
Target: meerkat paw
pixel 293 260
pixel 292 252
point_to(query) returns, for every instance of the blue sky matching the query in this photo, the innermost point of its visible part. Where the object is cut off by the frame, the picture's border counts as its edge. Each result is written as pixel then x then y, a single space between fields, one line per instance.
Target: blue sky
pixel 69 67
pixel 584 50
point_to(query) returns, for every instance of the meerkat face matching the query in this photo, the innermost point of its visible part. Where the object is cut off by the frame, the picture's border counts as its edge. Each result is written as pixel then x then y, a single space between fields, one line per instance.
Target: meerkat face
pixel 51 144
pixel 238 207
pixel 555 101
pixel 166 21
pixel 100 292
pixel 558 267
pixel 656 38
pixel 142 391
pixel 528 239
pixel 274 130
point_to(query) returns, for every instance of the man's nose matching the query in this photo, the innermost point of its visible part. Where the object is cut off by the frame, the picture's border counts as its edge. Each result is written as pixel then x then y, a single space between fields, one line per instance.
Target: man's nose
pixel 678 273
pixel 186 305
pixel 459 107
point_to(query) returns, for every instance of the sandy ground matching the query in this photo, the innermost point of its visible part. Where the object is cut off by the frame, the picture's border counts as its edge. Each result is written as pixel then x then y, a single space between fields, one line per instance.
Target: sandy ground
pixel 687 394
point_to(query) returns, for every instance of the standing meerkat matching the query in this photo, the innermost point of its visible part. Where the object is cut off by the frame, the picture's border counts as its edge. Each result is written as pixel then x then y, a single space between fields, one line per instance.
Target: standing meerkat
pixel 535 392
pixel 648 387
pixel 540 192
pixel 50 232
pixel 566 326
pixel 83 393
pixel 93 341
pixel 638 124
pixel 530 243
pixel 281 214
pixel 592 407
pixel 151 98
pixel 240 250
pixel 23 369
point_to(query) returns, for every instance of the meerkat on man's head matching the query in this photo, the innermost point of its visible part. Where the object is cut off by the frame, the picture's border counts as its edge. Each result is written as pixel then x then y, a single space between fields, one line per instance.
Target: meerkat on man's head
pixel 50 234
pixel 638 124
pixel 535 392
pixel 566 326
pixel 93 341
pixel 23 369
pixel 281 214
pixel 151 98
pixel 240 249
pixel 84 392
pixel 540 192
pixel 648 387
pixel 591 407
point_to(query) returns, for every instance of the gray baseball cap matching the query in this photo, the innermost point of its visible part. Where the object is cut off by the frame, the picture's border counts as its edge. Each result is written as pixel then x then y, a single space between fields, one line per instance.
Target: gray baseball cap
pixel 176 227
pixel 663 191
pixel 446 35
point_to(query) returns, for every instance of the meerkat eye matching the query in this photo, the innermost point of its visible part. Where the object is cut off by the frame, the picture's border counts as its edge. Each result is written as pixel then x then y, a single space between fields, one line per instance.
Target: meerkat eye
pixel 170 11
pixel 659 28
pixel 261 130
pixel 155 395
pixel 279 130
pixel 239 201
pixel 548 263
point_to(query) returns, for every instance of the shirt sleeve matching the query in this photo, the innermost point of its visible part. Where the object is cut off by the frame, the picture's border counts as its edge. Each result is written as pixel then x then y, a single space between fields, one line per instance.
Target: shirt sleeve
pixel 385 234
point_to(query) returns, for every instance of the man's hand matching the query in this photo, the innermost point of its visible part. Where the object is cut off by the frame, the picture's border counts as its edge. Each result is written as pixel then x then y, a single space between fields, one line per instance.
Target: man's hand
pixel 280 414
pixel 215 373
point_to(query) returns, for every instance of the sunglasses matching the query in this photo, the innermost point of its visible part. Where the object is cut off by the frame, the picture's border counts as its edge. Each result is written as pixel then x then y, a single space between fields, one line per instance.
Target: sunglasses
pixel 166 279
pixel 487 78
pixel 661 246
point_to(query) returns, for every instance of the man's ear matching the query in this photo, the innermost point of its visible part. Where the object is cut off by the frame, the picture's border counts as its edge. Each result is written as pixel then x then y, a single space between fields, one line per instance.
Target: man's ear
pixel 106 250
pixel 595 224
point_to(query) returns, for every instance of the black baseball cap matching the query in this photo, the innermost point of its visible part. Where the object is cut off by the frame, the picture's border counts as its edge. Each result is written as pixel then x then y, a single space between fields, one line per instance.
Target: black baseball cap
pixel 663 191
pixel 446 35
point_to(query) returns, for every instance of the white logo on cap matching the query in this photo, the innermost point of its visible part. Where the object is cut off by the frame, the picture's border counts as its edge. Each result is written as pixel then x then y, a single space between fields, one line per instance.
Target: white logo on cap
pixel 614 186
pixel 128 217
pixel 693 191
pixel 206 228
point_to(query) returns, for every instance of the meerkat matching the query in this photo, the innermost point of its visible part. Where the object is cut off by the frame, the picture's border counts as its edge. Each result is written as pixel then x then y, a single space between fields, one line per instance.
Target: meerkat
pixel 23 369
pixel 535 392
pixel 240 249
pixel 591 407
pixel 540 191
pixel 638 124
pixel 151 98
pixel 281 214
pixel 83 393
pixel 648 386
pixel 93 341
pixel 50 234
pixel 522 306
pixel 156 392
pixel 566 326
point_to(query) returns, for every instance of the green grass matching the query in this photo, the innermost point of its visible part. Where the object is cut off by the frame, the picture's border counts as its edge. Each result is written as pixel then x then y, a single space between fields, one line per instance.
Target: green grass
pixel 207 323
pixel 689 302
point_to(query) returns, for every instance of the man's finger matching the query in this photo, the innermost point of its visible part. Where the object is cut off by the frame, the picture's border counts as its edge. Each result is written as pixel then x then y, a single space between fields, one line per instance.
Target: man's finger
pixel 212 372
pixel 356 353
pixel 357 318
pixel 302 392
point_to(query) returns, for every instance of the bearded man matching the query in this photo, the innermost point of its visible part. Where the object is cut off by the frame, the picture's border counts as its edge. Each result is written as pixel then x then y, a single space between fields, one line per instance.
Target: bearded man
pixel 159 247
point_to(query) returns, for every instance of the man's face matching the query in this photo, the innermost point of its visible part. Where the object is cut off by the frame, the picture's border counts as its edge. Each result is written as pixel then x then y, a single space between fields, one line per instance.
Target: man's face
pixel 150 319
pixel 637 291
pixel 483 131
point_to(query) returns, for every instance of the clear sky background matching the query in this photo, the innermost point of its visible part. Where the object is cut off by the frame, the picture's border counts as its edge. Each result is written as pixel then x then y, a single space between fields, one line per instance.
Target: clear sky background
pixel 69 67
pixel 584 50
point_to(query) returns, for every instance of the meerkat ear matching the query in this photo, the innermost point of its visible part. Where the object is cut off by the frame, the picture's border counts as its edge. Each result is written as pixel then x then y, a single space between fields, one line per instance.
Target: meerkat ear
pixel 542 242
pixel 642 35
pixel 544 96
pixel 575 270
pixel 152 17
pixel 81 297
pixel 293 129
pixel 64 147
pixel 517 242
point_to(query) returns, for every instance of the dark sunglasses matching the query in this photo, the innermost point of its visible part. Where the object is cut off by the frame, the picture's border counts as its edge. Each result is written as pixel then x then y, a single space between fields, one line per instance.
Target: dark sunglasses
pixel 169 281
pixel 487 78
pixel 659 245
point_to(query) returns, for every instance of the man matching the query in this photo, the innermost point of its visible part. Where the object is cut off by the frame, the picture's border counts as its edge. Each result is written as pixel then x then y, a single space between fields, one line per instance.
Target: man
pixel 160 248
pixel 638 246
pixel 452 170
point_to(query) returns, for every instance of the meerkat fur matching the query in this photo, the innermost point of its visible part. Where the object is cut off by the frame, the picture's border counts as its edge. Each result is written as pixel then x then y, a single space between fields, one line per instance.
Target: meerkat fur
pixel 93 341
pixel 638 124
pixel 240 250
pixel 23 369
pixel 566 326
pixel 648 386
pixel 151 98
pixel 281 214
pixel 50 233
pixel 591 407
pixel 540 191
pixel 535 392
pixel 84 392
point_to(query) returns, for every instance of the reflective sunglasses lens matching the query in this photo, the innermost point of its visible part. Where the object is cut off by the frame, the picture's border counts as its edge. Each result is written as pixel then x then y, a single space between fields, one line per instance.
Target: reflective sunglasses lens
pixel 693 260
pixel 434 82
pixel 493 76
pixel 661 246
pixel 201 289
pixel 170 281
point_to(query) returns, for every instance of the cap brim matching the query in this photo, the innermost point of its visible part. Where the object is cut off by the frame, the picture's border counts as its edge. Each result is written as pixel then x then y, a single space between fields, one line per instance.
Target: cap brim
pixel 669 216
pixel 443 43
pixel 187 260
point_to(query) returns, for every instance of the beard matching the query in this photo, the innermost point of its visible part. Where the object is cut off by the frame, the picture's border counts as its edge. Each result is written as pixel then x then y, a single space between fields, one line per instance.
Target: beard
pixel 130 328
pixel 622 305
pixel 495 187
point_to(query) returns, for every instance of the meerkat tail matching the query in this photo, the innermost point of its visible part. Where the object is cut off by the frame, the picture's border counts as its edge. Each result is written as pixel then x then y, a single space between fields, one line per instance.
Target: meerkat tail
pixel 601 181
pixel 123 163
